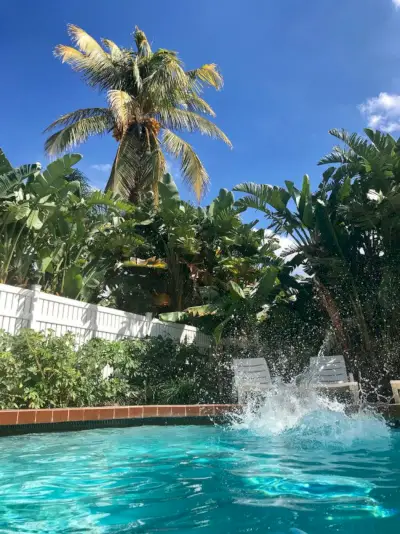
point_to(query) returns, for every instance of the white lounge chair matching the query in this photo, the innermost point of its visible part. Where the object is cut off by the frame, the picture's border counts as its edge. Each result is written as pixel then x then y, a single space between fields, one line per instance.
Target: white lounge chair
pixel 396 390
pixel 330 372
pixel 251 375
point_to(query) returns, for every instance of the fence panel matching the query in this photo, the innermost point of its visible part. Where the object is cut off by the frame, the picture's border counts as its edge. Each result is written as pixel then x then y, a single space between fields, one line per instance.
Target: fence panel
pixel 30 308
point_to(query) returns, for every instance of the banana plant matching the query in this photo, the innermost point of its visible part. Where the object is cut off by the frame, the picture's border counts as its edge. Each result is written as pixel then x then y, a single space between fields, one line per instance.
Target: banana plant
pixel 31 199
pixel 71 263
pixel 239 302
pixel 346 234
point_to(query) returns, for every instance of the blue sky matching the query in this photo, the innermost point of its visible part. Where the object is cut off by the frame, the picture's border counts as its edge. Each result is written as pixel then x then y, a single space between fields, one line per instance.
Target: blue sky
pixel 293 69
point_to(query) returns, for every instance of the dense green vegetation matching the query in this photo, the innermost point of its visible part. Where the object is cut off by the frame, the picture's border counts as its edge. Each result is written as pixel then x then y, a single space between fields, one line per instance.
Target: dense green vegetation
pixel 208 267
pixel 139 247
pixel 45 372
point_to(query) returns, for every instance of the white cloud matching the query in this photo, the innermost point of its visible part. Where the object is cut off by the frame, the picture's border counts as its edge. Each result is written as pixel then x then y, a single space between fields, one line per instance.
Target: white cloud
pixel 396 3
pixel 383 112
pixel 102 167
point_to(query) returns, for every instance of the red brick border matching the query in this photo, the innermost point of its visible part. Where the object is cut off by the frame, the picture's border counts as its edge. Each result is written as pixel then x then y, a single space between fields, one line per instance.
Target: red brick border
pixel 104 413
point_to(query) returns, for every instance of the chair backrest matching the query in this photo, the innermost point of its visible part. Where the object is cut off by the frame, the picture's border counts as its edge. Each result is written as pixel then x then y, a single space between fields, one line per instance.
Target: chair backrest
pixel 251 372
pixel 328 370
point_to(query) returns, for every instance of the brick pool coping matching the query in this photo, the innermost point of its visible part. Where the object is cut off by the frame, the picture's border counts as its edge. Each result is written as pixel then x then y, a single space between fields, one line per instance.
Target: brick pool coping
pixel 107 413
pixel 14 422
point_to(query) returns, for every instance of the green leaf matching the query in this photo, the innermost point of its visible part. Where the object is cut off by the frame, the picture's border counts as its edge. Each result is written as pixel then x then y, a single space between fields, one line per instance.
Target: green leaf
pixel 267 282
pixel 305 203
pixel 218 331
pixel 45 257
pixel 5 165
pixel 62 166
pixel 73 281
pixel 294 192
pixel 33 221
pixel 173 317
pixel 169 194
pixel 236 290
pixel 345 190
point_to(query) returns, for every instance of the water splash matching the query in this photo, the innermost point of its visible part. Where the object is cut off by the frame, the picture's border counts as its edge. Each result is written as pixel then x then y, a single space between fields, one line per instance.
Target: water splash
pixel 301 414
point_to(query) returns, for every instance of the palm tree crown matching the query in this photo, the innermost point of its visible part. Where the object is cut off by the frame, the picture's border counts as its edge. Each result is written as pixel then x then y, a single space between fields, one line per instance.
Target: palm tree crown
pixel 150 97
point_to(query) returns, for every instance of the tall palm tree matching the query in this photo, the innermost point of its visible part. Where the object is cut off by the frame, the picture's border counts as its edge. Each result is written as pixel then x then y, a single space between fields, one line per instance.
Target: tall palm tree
pixel 150 97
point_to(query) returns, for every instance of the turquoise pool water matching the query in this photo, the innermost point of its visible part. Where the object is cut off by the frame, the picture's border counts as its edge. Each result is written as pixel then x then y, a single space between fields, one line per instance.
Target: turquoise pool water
pixel 345 477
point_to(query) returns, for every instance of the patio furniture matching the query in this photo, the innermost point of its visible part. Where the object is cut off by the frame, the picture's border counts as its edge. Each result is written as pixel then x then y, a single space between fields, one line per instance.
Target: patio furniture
pixel 396 390
pixel 251 377
pixel 329 372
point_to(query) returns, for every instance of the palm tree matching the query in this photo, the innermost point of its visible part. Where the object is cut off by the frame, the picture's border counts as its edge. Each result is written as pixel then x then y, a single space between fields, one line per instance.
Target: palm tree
pixel 150 97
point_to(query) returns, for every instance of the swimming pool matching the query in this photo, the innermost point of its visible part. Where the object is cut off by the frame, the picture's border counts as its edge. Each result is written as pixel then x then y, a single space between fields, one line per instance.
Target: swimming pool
pixel 344 477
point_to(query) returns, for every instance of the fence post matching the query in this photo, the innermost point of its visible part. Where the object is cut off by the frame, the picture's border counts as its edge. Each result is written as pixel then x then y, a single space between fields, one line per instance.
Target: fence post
pixel 35 307
pixel 149 319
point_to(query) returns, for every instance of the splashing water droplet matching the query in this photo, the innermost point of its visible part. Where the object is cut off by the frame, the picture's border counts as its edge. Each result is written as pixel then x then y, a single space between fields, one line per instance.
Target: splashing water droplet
pixel 300 413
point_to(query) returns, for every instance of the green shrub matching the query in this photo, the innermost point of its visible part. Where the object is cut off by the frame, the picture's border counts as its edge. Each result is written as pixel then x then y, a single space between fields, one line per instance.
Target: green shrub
pixel 38 371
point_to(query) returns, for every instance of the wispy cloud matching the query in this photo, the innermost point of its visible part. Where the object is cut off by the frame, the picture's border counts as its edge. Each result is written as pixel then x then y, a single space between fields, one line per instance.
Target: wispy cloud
pixel 382 112
pixel 102 167
pixel 396 3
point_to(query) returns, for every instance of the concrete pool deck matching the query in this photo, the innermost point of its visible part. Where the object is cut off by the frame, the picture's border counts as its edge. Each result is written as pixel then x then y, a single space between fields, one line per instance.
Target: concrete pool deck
pixel 13 422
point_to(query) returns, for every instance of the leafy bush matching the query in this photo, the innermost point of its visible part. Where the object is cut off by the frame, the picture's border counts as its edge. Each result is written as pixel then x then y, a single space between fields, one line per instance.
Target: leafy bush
pixel 38 371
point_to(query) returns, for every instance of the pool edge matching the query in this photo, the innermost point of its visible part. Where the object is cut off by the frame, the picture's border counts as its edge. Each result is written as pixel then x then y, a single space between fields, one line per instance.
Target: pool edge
pixel 16 422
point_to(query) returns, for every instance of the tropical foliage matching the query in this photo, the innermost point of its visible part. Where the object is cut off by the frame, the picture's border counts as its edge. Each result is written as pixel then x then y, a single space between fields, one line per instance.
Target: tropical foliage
pixel 54 228
pixel 38 371
pixel 346 235
pixel 151 99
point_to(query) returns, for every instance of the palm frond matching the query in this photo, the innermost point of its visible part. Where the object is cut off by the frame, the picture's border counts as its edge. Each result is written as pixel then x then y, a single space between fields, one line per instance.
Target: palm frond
pixel 142 44
pixel 182 120
pixel 195 103
pixel 75 116
pixel 99 70
pixel 207 74
pixel 121 104
pixel 165 81
pixel 84 41
pixel 115 51
pixel 192 169
pixel 69 55
pixel 77 133
pixel 136 74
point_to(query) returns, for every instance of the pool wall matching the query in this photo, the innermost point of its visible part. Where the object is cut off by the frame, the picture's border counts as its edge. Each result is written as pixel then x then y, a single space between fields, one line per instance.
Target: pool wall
pixel 60 419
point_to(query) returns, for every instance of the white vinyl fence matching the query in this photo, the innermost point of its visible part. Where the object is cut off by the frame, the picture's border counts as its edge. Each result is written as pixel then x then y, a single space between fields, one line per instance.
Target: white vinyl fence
pixel 30 308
